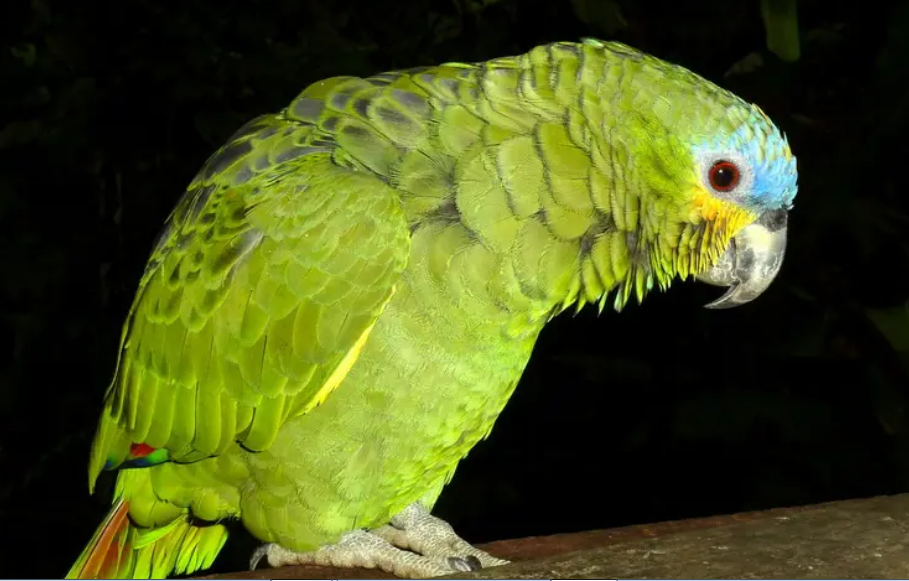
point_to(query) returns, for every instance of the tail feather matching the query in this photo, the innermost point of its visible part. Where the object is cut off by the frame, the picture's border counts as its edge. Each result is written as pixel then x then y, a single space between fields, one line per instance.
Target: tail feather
pixel 121 550
pixel 105 548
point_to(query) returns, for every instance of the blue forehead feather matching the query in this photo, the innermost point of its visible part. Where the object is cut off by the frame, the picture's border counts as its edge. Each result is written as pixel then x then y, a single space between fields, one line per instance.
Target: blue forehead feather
pixel 774 181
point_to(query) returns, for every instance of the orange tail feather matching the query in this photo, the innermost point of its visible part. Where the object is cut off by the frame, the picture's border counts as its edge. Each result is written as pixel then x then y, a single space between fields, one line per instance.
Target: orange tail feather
pixel 101 558
pixel 121 550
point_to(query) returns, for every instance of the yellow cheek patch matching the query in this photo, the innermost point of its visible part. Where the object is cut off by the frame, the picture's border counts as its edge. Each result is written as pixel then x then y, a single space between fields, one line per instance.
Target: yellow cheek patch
pixel 725 218
pixel 707 207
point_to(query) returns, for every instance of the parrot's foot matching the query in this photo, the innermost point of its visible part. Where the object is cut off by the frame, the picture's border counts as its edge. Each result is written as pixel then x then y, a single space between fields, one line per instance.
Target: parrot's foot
pixel 416 545
pixel 417 530
pixel 368 550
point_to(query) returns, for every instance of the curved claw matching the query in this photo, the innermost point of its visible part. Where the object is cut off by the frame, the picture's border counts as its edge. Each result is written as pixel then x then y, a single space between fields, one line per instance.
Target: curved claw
pixel 467 563
pixel 752 261
pixel 260 552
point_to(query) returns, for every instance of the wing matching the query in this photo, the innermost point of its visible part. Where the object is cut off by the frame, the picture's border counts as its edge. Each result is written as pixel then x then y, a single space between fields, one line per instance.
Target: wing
pixel 260 293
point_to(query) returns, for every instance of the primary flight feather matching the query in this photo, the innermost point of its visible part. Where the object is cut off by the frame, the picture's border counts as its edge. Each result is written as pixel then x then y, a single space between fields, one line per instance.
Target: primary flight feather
pixel 345 297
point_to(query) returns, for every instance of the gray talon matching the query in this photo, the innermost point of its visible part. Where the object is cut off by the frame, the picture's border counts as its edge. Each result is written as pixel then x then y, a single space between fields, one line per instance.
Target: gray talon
pixel 463 563
pixel 257 555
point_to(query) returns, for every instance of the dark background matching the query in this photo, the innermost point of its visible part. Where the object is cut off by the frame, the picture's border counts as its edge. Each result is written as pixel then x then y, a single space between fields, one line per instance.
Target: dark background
pixel 664 411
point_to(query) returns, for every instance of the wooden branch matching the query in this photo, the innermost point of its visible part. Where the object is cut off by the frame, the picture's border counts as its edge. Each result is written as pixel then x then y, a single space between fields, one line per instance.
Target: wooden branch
pixel 856 539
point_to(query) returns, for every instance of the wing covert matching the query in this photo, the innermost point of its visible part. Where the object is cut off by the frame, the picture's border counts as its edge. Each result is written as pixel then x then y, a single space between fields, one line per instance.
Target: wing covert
pixel 259 294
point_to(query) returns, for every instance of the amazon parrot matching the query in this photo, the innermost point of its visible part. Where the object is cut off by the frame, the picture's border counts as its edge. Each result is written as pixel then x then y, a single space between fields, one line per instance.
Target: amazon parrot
pixel 346 295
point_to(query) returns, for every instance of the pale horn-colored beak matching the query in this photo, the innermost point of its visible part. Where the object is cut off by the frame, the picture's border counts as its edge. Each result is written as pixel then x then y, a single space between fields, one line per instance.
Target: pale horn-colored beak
pixel 751 261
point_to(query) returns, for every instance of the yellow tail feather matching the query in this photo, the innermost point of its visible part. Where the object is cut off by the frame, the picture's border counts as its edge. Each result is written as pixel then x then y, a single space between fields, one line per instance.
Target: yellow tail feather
pixel 121 550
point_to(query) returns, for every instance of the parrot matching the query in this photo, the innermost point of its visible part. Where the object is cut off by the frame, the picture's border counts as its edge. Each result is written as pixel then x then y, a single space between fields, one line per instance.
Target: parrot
pixel 346 295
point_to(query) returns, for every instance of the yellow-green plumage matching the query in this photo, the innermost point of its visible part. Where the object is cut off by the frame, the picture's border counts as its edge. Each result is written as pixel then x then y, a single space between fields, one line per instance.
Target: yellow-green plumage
pixel 345 298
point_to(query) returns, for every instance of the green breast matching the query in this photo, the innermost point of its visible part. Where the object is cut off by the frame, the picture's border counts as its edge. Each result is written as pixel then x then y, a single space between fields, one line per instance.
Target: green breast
pixel 436 372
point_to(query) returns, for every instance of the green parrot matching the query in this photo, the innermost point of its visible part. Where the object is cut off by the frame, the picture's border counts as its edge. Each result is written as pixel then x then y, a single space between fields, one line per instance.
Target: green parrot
pixel 348 292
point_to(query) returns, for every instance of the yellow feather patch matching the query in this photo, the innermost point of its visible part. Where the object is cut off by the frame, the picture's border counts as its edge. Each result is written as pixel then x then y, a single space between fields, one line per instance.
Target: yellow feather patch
pixel 707 206
pixel 723 221
pixel 343 368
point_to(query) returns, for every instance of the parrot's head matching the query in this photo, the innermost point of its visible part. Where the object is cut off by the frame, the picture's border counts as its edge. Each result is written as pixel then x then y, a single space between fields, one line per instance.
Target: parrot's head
pixel 747 169
pixel 722 179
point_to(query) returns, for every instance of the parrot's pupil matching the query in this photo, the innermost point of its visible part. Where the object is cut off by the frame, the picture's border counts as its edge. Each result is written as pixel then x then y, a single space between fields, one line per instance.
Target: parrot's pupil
pixel 724 175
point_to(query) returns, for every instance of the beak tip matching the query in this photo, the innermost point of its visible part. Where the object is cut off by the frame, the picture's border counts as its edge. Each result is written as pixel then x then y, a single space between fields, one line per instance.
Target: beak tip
pixel 728 300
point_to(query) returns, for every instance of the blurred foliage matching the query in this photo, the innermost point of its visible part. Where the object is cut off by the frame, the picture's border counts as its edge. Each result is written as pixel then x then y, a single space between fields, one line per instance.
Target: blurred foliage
pixel 109 108
pixel 604 15
pixel 782 25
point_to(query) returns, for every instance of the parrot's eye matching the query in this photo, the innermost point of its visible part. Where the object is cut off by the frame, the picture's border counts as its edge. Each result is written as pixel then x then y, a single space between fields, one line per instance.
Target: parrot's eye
pixel 724 175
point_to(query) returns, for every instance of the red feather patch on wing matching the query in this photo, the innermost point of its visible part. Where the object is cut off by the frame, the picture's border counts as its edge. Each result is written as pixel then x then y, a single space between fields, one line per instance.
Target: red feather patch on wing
pixel 140 450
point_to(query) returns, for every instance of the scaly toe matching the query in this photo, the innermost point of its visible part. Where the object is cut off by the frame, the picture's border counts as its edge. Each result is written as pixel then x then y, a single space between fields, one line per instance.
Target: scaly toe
pixel 364 549
pixel 415 529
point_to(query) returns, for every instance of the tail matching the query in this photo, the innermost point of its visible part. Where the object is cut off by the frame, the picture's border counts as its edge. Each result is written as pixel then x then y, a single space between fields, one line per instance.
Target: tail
pixel 121 550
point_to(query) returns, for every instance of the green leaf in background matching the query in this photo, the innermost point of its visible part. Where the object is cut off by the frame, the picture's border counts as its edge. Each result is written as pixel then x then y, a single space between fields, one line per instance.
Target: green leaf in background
pixel 748 64
pixel 476 6
pixel 604 15
pixel 781 24
pixel 893 324
pixel 20 132
pixel 27 53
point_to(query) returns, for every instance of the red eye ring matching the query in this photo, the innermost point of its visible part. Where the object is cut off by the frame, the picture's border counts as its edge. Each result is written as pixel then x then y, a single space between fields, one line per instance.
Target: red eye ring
pixel 724 175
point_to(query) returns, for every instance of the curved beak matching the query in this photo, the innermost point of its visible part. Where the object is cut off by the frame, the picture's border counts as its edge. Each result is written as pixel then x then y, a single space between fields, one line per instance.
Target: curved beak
pixel 751 262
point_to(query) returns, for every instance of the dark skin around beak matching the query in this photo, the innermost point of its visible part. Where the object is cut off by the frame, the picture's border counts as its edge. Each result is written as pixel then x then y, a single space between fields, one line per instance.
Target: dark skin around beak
pixel 751 262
